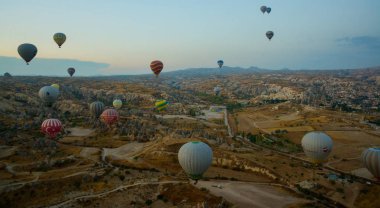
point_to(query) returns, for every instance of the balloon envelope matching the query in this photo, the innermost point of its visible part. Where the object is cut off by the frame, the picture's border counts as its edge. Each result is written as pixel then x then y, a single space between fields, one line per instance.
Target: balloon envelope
pixel 269 10
pixel 269 35
pixel 217 90
pixel 263 9
pixel 161 105
pixel 220 63
pixel 96 108
pixel 51 127
pixel 48 94
pixel 117 103
pixel 109 116
pixel 59 38
pixel 27 51
pixel 195 158
pixel 371 160
pixel 71 71
pixel 156 67
pixel 56 86
pixel 317 146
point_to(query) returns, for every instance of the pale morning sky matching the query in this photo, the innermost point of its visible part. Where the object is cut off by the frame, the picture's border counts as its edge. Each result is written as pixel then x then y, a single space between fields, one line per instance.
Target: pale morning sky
pixel 123 36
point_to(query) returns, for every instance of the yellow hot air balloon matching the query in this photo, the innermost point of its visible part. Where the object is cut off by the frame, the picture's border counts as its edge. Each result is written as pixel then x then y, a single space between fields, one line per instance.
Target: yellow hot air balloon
pixel 55 86
pixel 161 105
pixel 59 38
pixel 117 103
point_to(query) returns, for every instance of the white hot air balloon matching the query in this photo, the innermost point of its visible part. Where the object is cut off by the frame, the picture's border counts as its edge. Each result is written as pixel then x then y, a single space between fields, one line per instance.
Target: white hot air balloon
pixel 195 158
pixel 317 146
pixel 371 160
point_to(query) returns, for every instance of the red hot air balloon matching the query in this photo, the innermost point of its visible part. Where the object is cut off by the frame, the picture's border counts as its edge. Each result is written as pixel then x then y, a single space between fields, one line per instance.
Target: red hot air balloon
pixel 51 127
pixel 109 116
pixel 156 67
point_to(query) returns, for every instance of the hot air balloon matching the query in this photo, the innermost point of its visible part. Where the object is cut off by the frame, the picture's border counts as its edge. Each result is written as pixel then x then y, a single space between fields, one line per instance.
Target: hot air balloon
pixel 195 158
pixel 51 127
pixel 220 63
pixel 48 94
pixel 96 108
pixel 217 90
pixel 156 67
pixel 71 71
pixel 269 35
pixel 317 146
pixel 27 51
pixel 161 105
pixel 117 103
pixel 7 74
pixel 109 116
pixel 56 86
pixel 59 38
pixel 371 160
pixel 263 9
pixel 269 10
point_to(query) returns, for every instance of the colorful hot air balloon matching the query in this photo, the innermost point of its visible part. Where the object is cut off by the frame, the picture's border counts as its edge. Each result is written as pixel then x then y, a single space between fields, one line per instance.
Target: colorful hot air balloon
pixel 96 108
pixel 71 71
pixel 220 63
pixel 263 9
pixel 161 105
pixel 371 160
pixel 269 35
pixel 48 94
pixel 51 127
pixel 269 10
pixel 317 146
pixel 56 86
pixel 59 38
pixel 27 51
pixel 156 67
pixel 109 116
pixel 117 103
pixel 217 90
pixel 195 158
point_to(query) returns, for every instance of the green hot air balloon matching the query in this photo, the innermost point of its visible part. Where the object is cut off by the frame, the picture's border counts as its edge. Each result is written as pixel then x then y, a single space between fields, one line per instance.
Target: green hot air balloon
pixel 48 94
pixel 161 105
pixel 27 52
pixel 195 158
pixel 96 108
pixel 59 38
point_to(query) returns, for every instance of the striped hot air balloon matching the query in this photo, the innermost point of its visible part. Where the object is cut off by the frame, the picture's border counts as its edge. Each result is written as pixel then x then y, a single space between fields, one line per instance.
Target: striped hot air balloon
pixel 109 116
pixel 156 67
pixel 371 160
pixel 317 146
pixel 161 105
pixel 96 108
pixel 195 158
pixel 51 127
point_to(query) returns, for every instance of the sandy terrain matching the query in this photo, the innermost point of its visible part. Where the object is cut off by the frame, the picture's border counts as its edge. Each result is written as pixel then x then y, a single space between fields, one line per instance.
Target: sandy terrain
pixel 245 194
pixel 80 132
pixel 123 152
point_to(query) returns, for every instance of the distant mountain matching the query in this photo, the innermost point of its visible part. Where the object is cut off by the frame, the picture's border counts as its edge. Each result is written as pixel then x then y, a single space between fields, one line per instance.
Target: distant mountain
pixel 225 70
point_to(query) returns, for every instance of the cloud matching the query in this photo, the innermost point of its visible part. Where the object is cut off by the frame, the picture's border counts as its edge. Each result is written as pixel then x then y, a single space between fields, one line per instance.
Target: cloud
pixel 50 67
pixel 365 42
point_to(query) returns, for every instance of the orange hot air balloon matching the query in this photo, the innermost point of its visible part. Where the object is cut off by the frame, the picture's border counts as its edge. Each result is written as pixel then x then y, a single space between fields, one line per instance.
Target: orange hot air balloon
pixel 156 67
pixel 109 116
